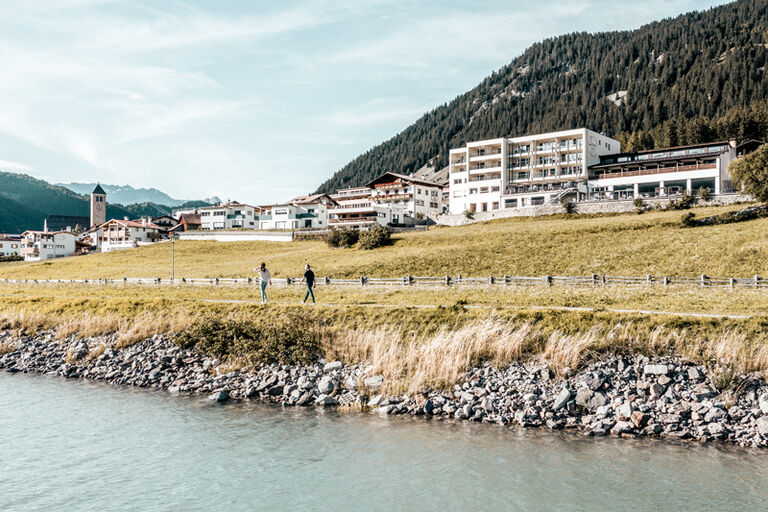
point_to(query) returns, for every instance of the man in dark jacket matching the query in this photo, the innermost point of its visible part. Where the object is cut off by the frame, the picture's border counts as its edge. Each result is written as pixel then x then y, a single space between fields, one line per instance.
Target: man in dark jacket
pixel 309 278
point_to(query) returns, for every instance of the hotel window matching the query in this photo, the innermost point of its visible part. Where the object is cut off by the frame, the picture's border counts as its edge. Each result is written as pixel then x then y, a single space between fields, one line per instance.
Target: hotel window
pixel 483 190
pixel 510 203
pixel 473 191
pixel 495 189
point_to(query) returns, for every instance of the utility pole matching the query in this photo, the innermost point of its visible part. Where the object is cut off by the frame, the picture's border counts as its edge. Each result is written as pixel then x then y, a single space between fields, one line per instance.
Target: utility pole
pixel 173 257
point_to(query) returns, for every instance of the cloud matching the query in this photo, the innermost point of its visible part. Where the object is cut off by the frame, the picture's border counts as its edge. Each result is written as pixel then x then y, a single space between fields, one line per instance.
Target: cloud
pixel 7 165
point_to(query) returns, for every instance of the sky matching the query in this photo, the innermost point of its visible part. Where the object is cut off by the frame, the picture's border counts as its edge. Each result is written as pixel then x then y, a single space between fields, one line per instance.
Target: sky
pixel 258 101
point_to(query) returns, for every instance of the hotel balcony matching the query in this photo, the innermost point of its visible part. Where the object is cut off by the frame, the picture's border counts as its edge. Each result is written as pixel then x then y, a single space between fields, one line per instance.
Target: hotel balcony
pixel 496 166
pixel 658 170
pixel 485 155
pixel 29 251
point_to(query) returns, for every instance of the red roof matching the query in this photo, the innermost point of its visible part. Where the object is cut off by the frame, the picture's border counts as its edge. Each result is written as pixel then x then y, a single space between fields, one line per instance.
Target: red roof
pixel 133 224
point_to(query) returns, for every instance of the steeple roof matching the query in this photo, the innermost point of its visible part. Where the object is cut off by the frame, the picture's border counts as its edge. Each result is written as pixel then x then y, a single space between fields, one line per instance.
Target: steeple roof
pixel 98 190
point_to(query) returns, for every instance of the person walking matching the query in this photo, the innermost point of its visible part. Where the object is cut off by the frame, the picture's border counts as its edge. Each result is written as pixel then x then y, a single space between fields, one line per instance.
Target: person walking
pixel 309 278
pixel 265 278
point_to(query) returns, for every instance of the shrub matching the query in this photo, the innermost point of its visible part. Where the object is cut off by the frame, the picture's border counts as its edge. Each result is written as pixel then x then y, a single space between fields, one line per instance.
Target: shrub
pixel 570 207
pixel 640 205
pixel 469 214
pixel 375 237
pixel 684 203
pixel 293 338
pixel 705 193
pixel 688 219
pixel 344 237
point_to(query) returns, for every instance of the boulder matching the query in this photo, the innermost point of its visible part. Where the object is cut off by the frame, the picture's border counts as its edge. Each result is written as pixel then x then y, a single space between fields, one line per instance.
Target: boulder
pixel 333 366
pixel 583 396
pixel 326 400
pixel 375 400
pixel 326 385
pixel 762 425
pixel 562 399
pixel 219 396
pixel 624 411
pixel 374 382
pixel 655 369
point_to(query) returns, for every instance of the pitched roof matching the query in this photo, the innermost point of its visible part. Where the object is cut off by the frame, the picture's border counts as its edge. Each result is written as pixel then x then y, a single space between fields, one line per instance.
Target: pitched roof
pixel 98 190
pixel 404 178
pixel 133 224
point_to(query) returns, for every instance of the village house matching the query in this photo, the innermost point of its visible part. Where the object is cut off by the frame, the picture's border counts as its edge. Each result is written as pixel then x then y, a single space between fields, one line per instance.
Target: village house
pixel 419 198
pixel 126 234
pixel 303 212
pixel 355 208
pixel 10 245
pixel 187 222
pixel 44 245
pixel 229 215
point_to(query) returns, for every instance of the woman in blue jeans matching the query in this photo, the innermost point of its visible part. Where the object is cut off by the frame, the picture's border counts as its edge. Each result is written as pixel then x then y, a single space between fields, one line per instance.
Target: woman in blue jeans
pixel 265 278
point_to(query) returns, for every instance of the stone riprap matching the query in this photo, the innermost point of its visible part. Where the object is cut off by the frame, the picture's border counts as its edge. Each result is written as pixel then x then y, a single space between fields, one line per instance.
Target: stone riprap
pixel 624 396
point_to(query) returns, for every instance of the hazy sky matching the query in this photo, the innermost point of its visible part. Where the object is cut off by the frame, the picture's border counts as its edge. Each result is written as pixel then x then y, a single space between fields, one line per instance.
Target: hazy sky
pixel 255 101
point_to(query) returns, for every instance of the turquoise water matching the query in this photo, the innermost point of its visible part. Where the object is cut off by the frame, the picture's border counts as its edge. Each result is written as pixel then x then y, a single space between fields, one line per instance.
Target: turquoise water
pixel 73 445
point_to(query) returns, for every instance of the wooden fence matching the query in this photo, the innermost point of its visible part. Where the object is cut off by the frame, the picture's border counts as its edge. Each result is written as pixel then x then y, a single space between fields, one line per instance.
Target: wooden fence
pixel 594 280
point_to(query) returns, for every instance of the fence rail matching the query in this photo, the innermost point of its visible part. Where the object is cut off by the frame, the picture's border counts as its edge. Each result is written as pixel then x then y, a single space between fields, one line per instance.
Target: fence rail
pixel 593 280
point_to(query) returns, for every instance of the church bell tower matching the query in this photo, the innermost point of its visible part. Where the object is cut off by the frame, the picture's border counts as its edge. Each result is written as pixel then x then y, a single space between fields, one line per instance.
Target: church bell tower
pixel 98 206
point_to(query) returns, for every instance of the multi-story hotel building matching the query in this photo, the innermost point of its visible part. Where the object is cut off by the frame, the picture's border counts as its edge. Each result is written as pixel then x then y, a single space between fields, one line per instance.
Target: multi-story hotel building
pixel 524 171
pixel 44 245
pixel 663 172
pixel 418 197
pixel 305 212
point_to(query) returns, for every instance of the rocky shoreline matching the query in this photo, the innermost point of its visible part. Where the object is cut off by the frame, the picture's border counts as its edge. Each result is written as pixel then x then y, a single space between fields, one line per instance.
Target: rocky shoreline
pixel 624 396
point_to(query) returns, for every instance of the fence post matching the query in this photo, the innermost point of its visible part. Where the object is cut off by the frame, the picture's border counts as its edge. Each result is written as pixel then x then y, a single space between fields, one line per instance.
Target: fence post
pixel 362 280
pixel 548 280
pixel 458 280
pixel 594 279
pixel 250 280
pixel 649 279
pixel 732 282
pixel 757 281
pixel 217 280
pixel 507 279
pixel 666 281
pixel 491 280
pixel 288 281
pixel 447 280
pixel 703 280
pixel 410 280
pixel 327 280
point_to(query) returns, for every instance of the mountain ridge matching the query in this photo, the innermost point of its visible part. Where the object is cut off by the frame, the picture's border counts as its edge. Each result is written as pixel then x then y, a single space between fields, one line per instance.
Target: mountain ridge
pixel 664 83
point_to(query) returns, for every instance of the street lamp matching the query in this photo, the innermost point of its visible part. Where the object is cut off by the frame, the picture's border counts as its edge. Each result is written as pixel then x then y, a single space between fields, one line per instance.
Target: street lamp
pixel 173 257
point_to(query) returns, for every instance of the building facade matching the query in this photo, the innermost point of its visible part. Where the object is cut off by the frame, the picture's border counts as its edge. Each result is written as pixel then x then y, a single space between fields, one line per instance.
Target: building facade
pixel 229 215
pixel 524 171
pixel 44 245
pixel 355 208
pixel 304 212
pixel 663 172
pixel 10 245
pixel 127 234
pixel 419 198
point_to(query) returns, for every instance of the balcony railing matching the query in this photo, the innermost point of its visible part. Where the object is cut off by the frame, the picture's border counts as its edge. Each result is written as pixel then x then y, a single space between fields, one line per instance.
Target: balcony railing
pixel 658 170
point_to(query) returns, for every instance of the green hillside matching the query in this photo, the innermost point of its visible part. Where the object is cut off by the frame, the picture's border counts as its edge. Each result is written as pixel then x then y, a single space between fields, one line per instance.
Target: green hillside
pixel 694 78
pixel 25 202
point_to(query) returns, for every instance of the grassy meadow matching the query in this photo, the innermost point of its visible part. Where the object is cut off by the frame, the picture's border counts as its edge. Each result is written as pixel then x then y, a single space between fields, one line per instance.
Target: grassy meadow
pixel 627 244
pixel 425 336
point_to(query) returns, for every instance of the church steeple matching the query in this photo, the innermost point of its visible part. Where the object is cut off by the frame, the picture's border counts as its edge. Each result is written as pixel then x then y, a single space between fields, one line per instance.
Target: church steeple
pixel 98 206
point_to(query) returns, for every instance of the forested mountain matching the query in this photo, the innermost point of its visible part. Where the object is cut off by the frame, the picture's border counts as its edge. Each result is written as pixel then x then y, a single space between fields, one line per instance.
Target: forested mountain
pixel 25 202
pixel 694 78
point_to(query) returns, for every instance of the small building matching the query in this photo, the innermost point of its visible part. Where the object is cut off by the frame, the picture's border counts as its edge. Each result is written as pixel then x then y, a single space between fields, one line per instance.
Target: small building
pixel 303 212
pixel 187 222
pixel 165 222
pixel 10 245
pixel 127 234
pixel 229 215
pixel 44 245
pixel 72 223
pixel 663 172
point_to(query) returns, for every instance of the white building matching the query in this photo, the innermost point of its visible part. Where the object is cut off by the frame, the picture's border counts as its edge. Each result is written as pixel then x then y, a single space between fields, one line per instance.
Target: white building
pixel 304 212
pixel 355 208
pixel 663 172
pixel 127 234
pixel 10 245
pixel 418 198
pixel 229 215
pixel 524 171
pixel 44 245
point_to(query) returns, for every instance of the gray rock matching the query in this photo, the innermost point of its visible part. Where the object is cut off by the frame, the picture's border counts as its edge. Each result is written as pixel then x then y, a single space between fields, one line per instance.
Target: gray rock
pixel 694 373
pixel 375 400
pixel 624 411
pixel 562 399
pixel 597 400
pixel 655 369
pixel 374 382
pixel 763 404
pixel 326 385
pixel 219 396
pixel 333 366
pixel 762 425
pixel 326 400
pixel 583 396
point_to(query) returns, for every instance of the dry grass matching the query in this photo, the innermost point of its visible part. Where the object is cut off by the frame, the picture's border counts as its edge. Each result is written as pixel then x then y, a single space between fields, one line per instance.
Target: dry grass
pixel 7 347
